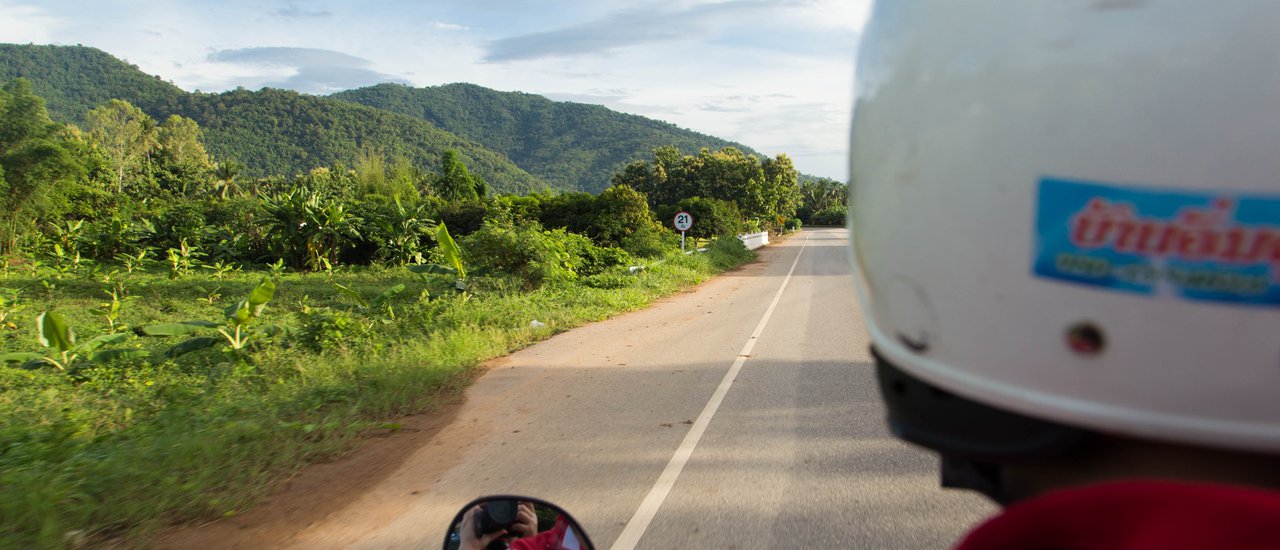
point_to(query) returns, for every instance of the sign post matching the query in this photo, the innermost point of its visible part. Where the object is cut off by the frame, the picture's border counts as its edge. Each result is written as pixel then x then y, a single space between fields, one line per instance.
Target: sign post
pixel 683 222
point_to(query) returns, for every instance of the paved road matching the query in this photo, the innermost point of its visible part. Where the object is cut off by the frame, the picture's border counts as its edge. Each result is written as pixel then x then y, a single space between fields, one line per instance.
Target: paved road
pixel 795 454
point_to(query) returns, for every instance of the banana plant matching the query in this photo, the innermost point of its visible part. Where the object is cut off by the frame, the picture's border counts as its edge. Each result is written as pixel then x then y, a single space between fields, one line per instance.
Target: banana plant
pixel 221 269
pixel 234 331
pixel 452 257
pixel 132 262
pixel 66 355
pixel 403 229
pixel 277 269
pixel 111 310
pixel 183 259
pixel 8 307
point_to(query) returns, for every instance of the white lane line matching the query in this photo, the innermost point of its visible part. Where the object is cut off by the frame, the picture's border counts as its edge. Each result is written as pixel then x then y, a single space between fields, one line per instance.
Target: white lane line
pixel 649 506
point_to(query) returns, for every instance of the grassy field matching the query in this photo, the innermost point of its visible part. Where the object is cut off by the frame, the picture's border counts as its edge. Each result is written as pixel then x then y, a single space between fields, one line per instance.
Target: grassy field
pixel 112 450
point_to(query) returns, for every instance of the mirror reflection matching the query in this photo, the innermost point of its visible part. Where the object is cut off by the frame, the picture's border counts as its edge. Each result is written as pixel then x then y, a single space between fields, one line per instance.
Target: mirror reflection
pixel 499 523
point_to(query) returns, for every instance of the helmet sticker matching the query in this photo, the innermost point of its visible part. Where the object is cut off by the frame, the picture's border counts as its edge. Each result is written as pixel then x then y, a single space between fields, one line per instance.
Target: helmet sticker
pixel 1197 245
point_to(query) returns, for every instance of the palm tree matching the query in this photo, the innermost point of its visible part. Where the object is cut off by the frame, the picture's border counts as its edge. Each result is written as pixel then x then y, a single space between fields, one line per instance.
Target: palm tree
pixel 224 179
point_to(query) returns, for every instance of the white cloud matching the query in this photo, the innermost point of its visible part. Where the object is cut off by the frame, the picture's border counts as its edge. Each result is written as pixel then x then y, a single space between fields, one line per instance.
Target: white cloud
pixel 298 12
pixel 21 24
pixel 309 70
pixel 840 14
pixel 447 26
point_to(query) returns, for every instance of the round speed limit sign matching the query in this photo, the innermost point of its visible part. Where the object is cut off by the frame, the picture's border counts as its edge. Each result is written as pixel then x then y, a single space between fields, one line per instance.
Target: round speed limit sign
pixel 684 221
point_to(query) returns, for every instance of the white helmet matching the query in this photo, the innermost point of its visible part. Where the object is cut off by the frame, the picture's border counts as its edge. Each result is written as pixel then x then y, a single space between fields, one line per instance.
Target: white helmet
pixel 1070 211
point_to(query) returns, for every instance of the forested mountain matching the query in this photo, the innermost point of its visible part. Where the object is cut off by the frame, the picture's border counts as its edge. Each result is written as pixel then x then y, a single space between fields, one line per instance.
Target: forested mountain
pixel 269 132
pixel 74 79
pixel 282 132
pixel 582 145
pixel 516 141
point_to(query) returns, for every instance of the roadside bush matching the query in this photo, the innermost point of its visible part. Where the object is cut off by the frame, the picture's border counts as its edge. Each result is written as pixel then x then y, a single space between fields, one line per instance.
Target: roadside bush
pixel 598 259
pixel 792 224
pixel 308 228
pixel 727 252
pixel 650 242
pixel 608 281
pixel 536 256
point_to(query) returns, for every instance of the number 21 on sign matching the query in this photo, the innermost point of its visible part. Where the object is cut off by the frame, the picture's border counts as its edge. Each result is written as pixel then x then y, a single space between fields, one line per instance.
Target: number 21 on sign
pixel 683 222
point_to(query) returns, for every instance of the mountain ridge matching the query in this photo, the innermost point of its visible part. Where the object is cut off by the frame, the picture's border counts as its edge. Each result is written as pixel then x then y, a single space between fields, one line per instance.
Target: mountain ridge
pixel 520 142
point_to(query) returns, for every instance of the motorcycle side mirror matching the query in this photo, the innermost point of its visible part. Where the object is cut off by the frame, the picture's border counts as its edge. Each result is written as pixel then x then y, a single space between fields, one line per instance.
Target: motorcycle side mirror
pixel 500 522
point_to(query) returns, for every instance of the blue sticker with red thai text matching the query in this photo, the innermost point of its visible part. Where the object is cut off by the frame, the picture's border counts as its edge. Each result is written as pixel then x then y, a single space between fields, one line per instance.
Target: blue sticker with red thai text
pixel 1220 247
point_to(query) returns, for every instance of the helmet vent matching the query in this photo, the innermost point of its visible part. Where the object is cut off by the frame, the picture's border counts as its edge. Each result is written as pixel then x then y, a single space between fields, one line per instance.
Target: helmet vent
pixel 918 344
pixel 1086 339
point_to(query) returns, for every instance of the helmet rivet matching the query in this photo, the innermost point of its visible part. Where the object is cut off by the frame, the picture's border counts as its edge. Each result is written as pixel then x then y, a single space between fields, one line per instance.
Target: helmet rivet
pixel 1085 338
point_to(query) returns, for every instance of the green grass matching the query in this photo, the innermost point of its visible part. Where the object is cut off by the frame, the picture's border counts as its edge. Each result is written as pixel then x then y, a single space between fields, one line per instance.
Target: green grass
pixel 117 450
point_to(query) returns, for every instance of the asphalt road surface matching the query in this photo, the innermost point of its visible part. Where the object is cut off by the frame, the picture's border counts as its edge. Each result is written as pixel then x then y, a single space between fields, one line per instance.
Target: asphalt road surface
pixel 741 414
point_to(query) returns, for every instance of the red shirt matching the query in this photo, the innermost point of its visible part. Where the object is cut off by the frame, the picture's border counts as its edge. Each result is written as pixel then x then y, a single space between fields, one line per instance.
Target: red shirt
pixel 551 539
pixel 1132 515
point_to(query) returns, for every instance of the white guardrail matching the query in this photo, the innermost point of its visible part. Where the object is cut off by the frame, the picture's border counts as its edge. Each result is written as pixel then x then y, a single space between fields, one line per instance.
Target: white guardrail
pixel 754 240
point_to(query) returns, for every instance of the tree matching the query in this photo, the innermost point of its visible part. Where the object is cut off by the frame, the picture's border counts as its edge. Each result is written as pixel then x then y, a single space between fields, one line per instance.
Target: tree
pixel 178 139
pixel 35 173
pixel 37 162
pixel 727 174
pixel 181 159
pixel 620 211
pixel 820 195
pixel 371 171
pixel 780 192
pixel 125 133
pixel 762 189
pixel 454 182
pixel 663 181
pixel 225 175
pixel 22 114
pixel 406 179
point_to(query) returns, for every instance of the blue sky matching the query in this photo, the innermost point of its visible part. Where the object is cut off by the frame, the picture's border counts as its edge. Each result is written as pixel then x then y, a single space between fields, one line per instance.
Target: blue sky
pixel 774 75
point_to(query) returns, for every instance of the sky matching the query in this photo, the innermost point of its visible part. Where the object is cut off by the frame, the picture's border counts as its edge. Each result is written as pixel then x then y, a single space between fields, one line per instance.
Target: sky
pixel 774 75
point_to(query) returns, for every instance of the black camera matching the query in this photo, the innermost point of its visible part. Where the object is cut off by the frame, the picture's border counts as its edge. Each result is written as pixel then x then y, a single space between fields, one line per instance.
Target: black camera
pixel 495 516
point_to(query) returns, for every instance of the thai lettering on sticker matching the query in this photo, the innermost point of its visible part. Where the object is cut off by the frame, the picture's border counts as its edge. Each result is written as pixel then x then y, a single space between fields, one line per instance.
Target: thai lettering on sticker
pixel 1196 245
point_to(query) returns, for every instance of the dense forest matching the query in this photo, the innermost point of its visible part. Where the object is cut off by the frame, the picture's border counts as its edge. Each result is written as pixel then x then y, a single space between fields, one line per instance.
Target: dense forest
pixel 74 79
pixel 581 145
pixel 285 132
